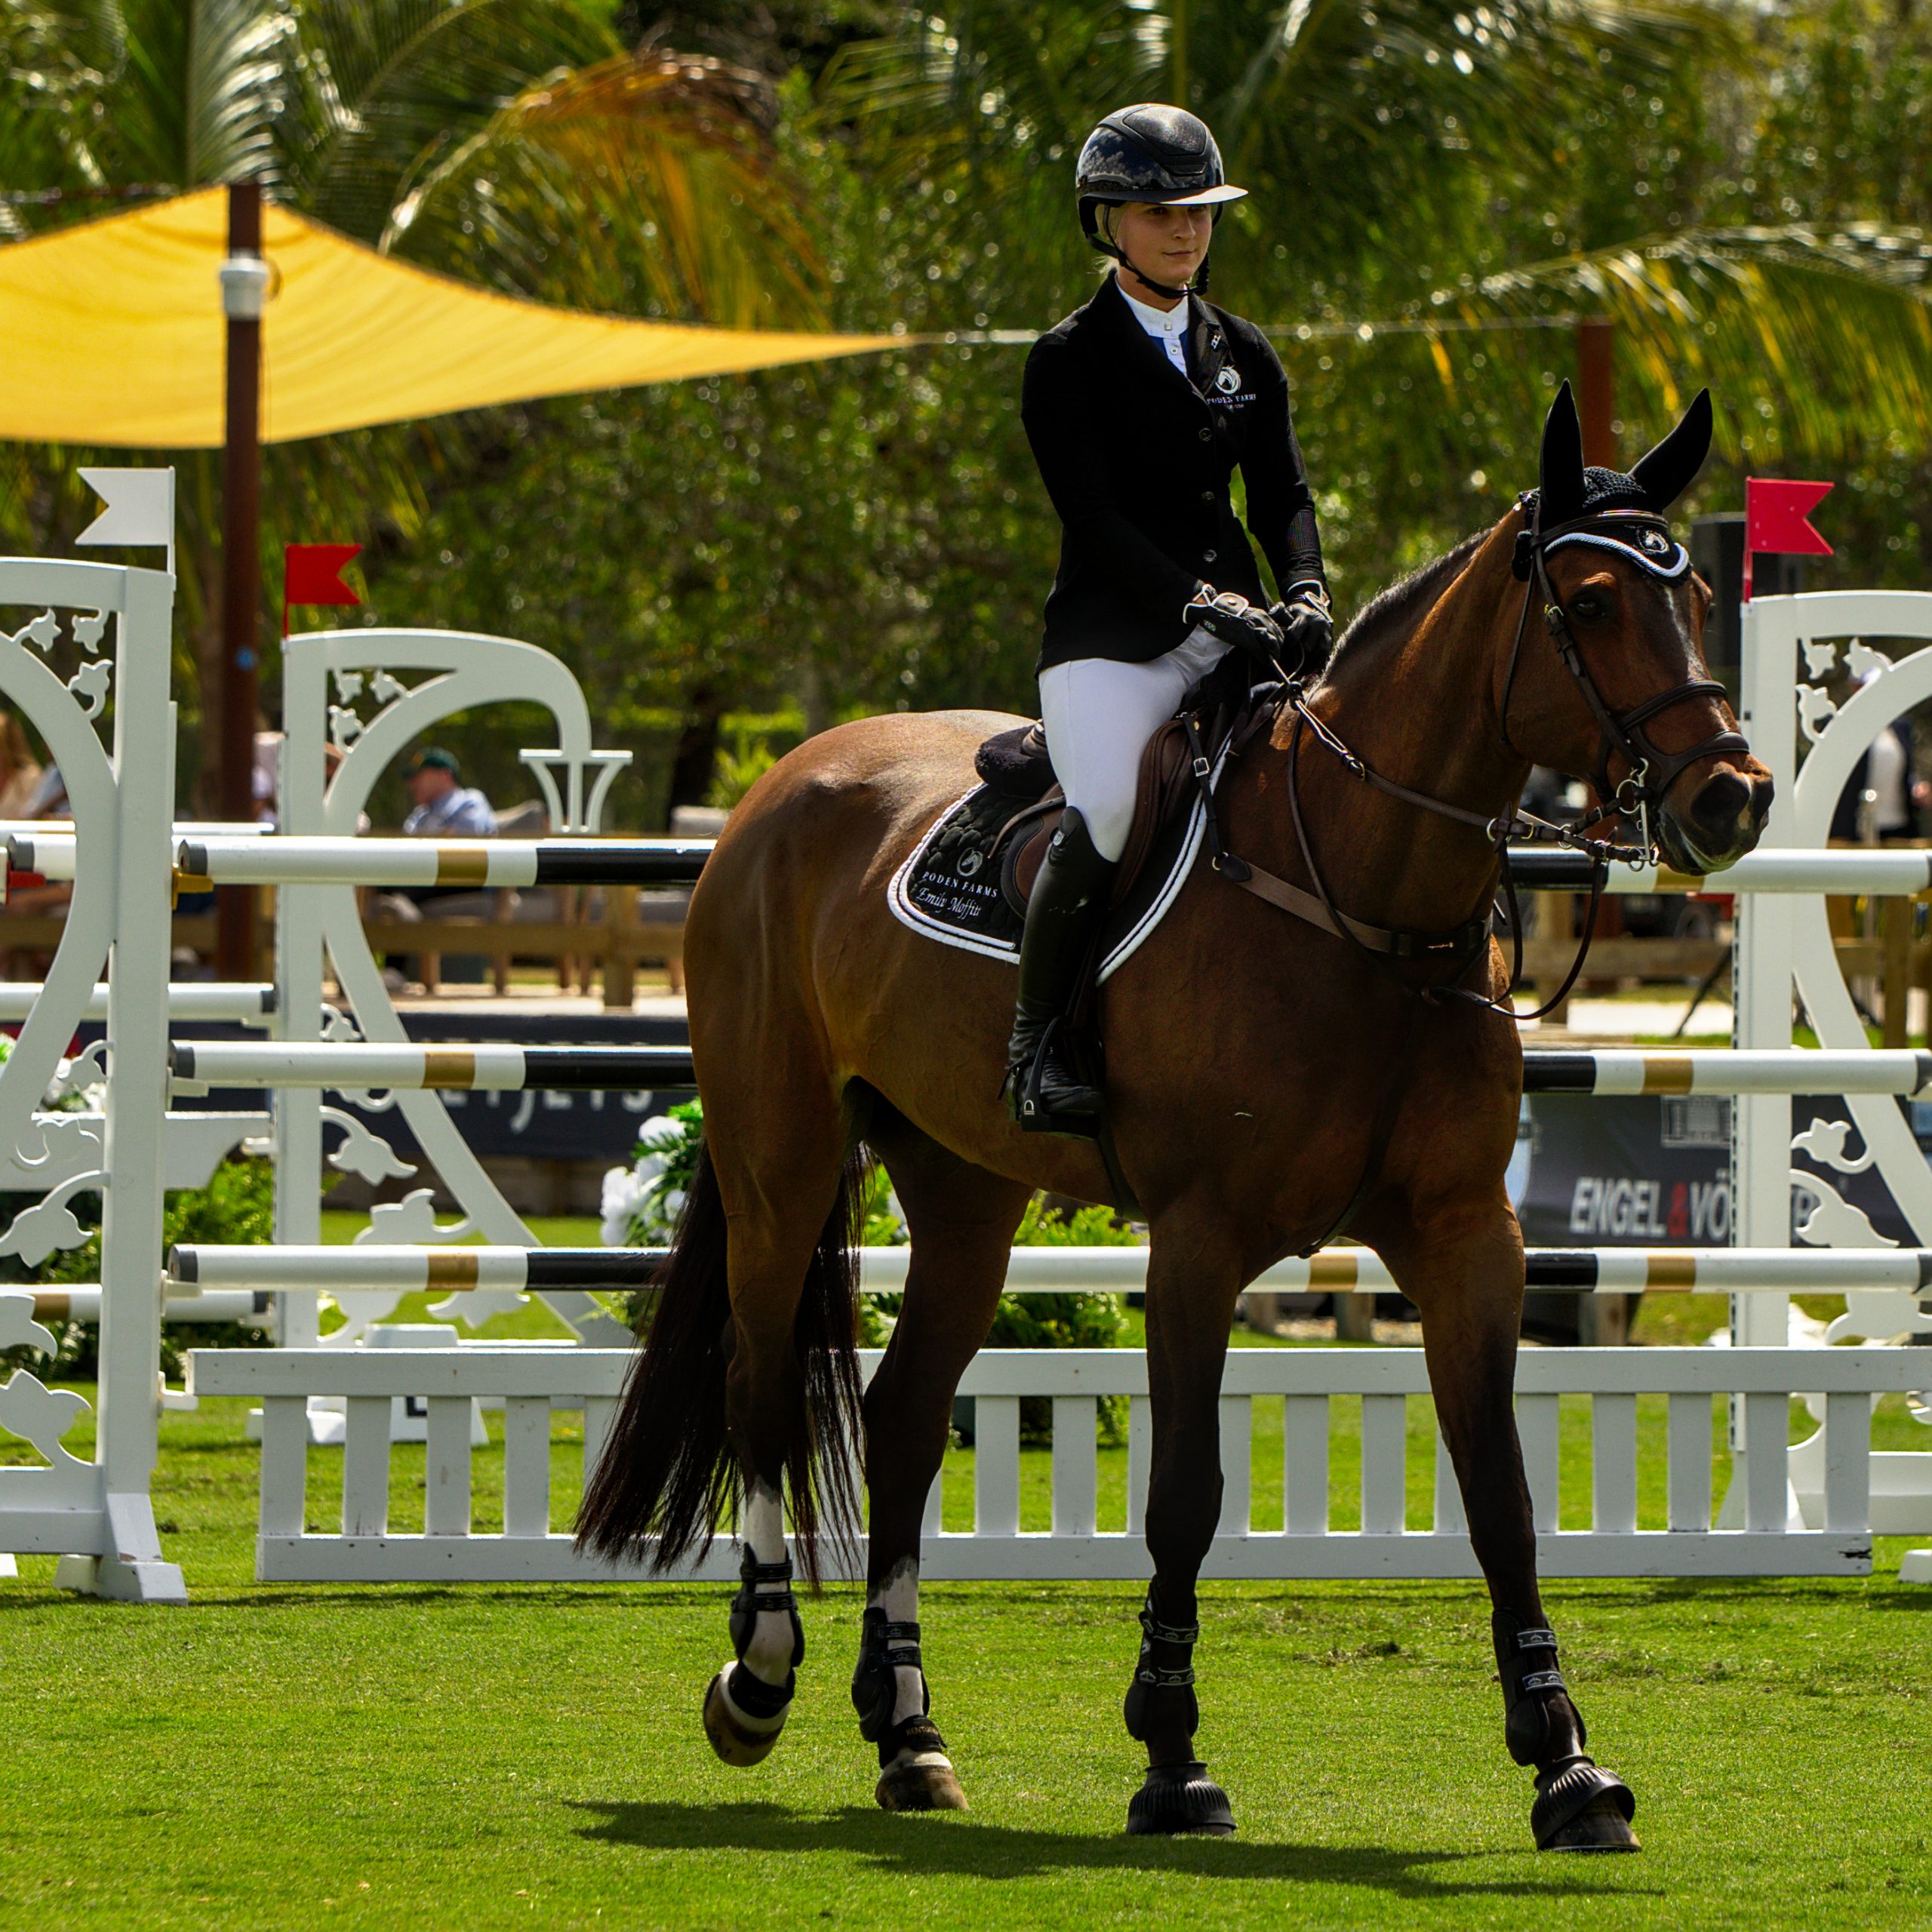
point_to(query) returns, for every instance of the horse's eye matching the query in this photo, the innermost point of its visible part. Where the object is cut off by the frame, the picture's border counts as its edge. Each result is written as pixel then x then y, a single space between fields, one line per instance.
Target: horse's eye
pixel 1589 607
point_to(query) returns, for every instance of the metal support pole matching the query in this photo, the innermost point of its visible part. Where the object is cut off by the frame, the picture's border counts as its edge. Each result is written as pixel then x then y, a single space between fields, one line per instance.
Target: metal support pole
pixel 243 289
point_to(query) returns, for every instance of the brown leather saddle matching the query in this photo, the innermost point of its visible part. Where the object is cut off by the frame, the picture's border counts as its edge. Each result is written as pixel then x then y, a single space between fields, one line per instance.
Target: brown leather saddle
pixel 1016 765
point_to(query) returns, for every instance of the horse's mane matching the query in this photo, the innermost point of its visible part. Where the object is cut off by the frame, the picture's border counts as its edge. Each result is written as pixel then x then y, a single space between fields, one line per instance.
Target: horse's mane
pixel 1401 605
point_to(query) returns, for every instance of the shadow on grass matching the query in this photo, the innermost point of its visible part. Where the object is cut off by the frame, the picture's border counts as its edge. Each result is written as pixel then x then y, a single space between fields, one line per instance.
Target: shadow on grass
pixel 929 1847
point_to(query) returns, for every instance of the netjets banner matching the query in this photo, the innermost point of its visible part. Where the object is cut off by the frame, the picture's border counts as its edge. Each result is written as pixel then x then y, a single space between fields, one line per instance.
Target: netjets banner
pixel 1654 1170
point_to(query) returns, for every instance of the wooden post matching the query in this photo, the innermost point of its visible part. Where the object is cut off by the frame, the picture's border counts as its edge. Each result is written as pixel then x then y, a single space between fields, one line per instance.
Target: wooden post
pixel 1355 1318
pixel 240 567
pixel 620 923
pixel 1896 925
pixel 1596 390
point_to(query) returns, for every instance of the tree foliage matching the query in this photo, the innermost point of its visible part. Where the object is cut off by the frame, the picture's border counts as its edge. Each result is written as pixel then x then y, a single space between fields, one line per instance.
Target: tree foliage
pixel 1440 189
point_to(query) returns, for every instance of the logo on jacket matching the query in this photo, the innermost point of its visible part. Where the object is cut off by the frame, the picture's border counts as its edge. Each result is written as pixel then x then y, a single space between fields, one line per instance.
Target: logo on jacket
pixel 1229 381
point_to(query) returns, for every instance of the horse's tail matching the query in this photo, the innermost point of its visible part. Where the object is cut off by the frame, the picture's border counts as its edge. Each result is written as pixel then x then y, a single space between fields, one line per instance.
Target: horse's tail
pixel 667 1467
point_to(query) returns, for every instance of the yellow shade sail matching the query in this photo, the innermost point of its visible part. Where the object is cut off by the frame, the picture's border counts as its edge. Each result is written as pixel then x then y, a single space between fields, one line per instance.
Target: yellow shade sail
pixel 113 335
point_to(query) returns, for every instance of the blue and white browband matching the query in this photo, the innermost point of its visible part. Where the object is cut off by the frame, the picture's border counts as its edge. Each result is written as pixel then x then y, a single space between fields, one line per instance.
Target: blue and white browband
pixel 1653 548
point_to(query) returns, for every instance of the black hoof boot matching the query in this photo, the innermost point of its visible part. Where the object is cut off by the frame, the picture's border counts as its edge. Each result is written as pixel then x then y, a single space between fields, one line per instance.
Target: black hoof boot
pixel 743 1714
pixel 914 1774
pixel 1178 1800
pixel 1583 1808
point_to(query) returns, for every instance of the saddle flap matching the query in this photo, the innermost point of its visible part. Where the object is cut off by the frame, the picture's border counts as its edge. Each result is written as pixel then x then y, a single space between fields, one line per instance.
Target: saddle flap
pixel 1165 791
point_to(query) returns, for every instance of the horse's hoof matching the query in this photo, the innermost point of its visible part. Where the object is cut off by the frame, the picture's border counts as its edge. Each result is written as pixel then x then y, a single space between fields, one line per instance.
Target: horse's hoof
pixel 1177 1799
pixel 1584 1808
pixel 920 1781
pixel 737 1739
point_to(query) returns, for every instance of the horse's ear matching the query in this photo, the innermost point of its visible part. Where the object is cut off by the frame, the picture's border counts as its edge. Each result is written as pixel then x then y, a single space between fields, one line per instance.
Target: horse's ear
pixel 1668 471
pixel 1560 471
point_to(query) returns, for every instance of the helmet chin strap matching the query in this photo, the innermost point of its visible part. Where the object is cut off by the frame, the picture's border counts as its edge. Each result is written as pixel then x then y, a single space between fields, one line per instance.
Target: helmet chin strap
pixel 1187 288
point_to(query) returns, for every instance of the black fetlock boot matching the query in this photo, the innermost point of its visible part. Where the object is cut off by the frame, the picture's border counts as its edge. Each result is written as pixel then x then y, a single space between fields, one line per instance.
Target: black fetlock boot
pixel 1063 917
pixel 914 1774
pixel 743 1714
pixel 1177 1798
pixel 1579 1807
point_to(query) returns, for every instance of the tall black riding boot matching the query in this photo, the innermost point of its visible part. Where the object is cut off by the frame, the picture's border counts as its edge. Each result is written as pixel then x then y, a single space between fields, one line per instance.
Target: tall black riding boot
pixel 1063 916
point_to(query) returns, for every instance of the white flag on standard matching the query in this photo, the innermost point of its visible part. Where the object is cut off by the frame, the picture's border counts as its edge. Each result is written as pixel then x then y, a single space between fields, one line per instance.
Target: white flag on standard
pixel 140 508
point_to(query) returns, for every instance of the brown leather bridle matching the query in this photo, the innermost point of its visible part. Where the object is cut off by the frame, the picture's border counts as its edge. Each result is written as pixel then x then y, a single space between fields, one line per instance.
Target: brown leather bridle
pixel 1650 771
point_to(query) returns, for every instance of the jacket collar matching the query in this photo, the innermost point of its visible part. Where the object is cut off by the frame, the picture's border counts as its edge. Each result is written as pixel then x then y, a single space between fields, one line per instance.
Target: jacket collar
pixel 1206 349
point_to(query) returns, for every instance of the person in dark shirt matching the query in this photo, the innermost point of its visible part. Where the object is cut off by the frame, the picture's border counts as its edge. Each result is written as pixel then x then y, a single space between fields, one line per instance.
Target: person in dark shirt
pixel 1139 407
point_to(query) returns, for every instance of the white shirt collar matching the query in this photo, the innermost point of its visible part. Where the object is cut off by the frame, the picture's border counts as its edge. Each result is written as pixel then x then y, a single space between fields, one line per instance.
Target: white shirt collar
pixel 1157 321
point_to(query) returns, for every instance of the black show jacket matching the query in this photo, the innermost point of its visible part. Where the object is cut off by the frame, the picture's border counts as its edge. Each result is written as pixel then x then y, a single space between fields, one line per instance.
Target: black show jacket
pixel 1137 458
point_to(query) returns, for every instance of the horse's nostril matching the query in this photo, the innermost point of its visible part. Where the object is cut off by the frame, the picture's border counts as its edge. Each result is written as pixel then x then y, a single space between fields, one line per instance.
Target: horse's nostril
pixel 1722 803
pixel 1761 792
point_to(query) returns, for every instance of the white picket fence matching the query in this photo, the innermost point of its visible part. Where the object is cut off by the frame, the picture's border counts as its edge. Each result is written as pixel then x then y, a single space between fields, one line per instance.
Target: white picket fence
pixel 534 1545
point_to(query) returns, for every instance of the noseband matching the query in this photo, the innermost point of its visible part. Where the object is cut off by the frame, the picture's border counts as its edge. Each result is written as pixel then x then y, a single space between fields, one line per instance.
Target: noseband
pixel 1650 771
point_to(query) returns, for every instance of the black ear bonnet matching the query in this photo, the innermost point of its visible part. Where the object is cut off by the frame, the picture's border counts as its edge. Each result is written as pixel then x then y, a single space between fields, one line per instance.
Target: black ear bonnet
pixel 1611 509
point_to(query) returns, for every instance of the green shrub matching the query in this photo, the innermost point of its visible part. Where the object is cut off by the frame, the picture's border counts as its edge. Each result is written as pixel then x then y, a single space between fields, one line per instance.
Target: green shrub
pixel 642 1202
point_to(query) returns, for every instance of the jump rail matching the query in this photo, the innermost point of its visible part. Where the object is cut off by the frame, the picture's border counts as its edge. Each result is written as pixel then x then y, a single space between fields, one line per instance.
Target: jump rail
pixel 440 862
pixel 284 1268
pixel 232 859
pixel 1770 1070
pixel 528 1381
pixel 199 1065
pixel 246 1003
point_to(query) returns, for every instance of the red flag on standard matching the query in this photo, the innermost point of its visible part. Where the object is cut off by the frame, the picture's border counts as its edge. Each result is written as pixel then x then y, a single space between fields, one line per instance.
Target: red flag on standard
pixel 312 574
pixel 1776 518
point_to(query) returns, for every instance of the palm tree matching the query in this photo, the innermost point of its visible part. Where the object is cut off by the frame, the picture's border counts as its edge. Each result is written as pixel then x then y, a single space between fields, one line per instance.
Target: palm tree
pixel 514 142
pixel 1410 160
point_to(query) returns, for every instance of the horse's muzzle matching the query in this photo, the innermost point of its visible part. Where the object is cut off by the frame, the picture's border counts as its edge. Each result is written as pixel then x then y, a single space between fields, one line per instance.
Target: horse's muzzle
pixel 1723 821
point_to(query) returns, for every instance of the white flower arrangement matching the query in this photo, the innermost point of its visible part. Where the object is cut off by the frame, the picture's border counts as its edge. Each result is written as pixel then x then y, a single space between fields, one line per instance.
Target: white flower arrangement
pixel 639 1208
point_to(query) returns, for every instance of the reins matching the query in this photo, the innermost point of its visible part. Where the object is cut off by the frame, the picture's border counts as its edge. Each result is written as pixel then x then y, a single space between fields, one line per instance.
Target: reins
pixel 1651 772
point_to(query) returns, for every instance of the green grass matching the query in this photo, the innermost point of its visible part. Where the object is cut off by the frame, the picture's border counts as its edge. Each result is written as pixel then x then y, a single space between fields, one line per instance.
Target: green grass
pixel 485 1756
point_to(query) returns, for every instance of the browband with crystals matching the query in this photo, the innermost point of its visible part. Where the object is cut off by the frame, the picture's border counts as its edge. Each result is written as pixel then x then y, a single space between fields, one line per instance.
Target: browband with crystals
pixel 1640 535
pixel 1650 547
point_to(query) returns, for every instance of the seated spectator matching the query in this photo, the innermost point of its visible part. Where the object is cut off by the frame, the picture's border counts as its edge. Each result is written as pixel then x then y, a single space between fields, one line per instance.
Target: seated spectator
pixel 19 770
pixel 445 807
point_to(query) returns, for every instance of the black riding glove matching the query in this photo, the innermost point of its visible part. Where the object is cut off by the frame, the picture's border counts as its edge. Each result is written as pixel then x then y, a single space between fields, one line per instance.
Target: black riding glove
pixel 1308 632
pixel 1229 615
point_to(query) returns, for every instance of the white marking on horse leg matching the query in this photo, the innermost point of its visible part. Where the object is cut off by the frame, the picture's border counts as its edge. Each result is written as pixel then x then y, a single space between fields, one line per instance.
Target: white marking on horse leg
pixel 899 1598
pixel 768 1655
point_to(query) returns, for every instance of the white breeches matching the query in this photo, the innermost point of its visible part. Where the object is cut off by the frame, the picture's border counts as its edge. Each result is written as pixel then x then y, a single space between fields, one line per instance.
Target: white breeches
pixel 1099 714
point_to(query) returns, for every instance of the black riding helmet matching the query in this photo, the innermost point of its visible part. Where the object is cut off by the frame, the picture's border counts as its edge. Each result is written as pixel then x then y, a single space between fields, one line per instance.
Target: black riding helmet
pixel 1151 153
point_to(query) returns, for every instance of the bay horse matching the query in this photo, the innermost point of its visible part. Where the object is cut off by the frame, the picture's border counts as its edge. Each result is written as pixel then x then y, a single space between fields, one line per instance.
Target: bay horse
pixel 1248 1054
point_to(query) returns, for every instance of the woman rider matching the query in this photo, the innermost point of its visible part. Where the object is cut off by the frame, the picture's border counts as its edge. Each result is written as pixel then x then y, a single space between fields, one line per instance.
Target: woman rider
pixel 1138 406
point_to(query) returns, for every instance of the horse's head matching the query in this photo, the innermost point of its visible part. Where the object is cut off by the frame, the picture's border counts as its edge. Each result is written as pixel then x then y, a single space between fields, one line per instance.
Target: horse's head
pixel 1604 677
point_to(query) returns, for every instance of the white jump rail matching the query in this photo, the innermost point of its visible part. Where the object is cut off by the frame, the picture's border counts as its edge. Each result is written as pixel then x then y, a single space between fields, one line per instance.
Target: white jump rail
pixel 239 1002
pixel 534 1543
pixel 196 1066
pixel 80 1301
pixel 316 860
pixel 1728 1070
pixel 285 860
pixel 286 1268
